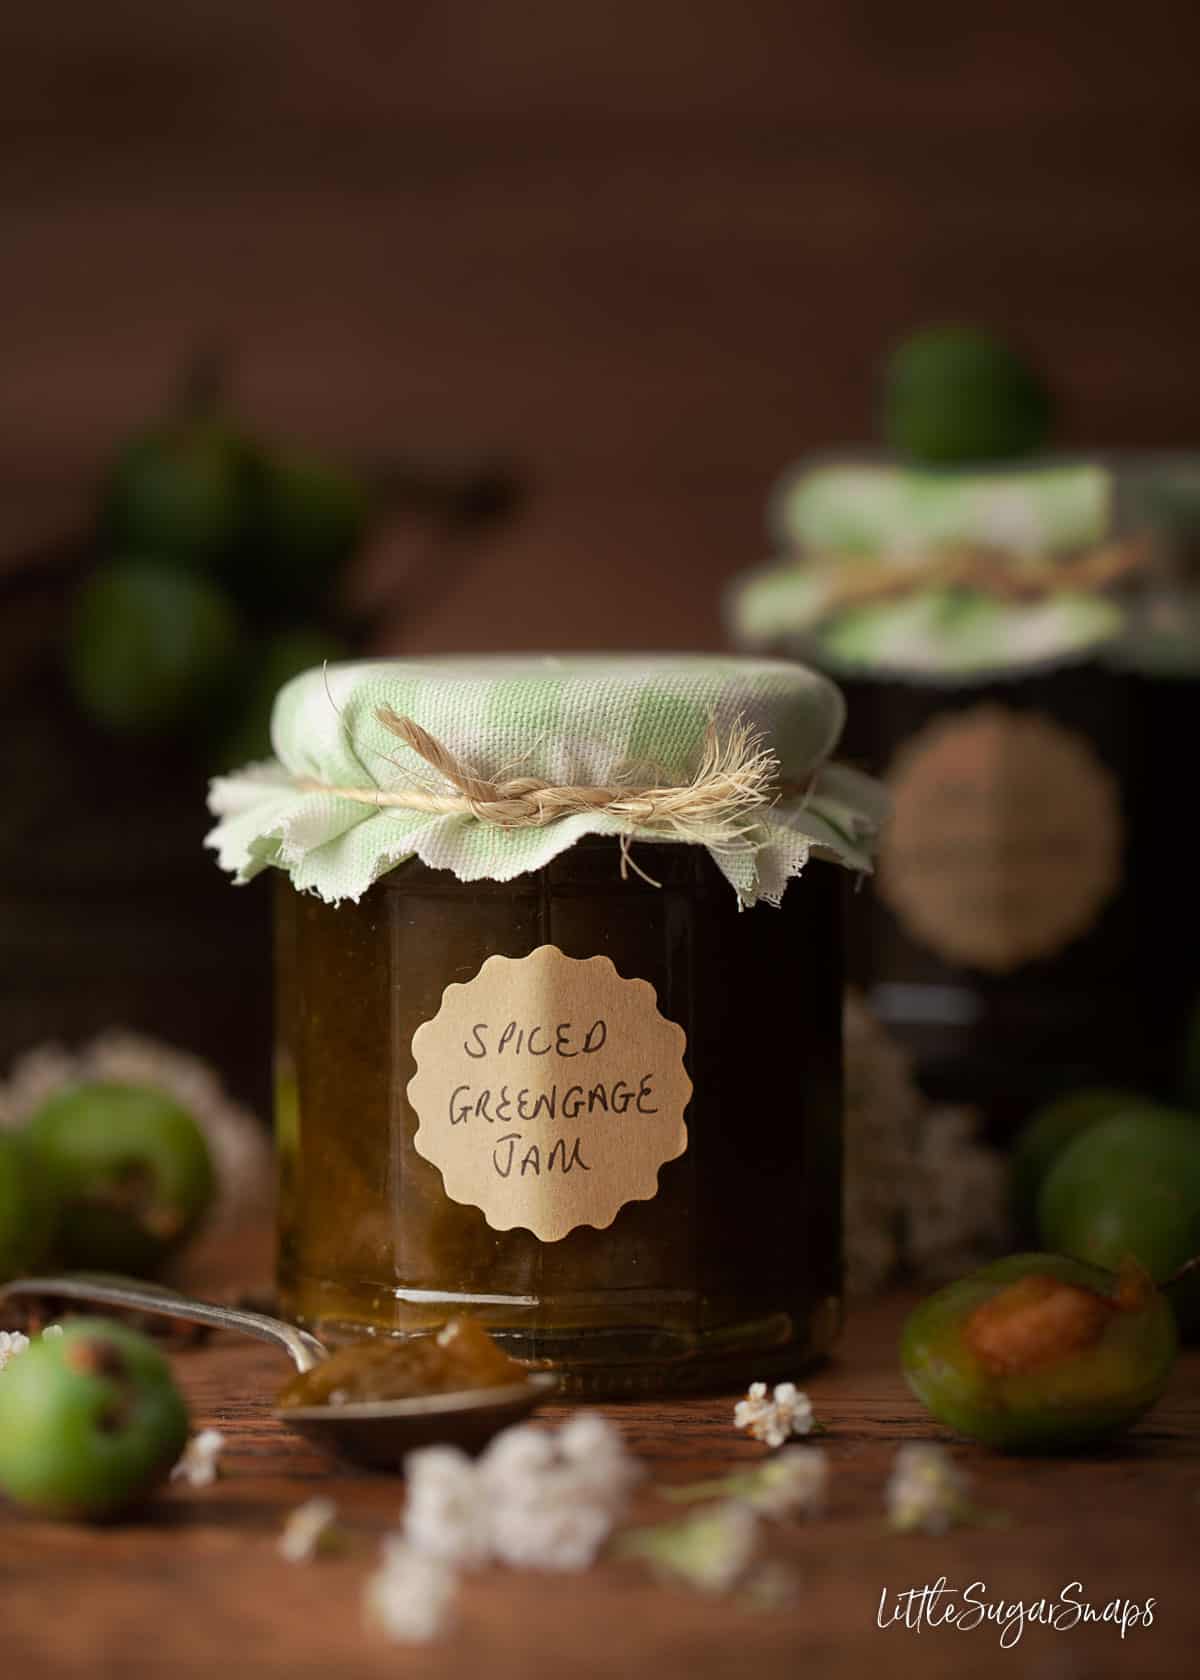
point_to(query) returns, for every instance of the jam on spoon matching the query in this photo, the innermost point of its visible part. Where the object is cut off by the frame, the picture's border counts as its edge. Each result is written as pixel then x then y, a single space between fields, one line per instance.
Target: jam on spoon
pixel 460 1356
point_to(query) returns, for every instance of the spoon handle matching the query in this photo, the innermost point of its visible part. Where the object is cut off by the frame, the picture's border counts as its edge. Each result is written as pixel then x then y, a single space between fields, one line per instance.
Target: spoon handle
pixel 100 1289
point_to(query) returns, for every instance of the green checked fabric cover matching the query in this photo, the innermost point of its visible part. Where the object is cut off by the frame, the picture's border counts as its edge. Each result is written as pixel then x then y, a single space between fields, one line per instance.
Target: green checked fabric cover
pixel 828 516
pixel 570 720
pixel 870 508
pixel 933 632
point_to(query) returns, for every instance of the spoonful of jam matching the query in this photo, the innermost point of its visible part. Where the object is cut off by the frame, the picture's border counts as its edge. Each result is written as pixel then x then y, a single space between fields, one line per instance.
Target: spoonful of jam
pixel 372 1401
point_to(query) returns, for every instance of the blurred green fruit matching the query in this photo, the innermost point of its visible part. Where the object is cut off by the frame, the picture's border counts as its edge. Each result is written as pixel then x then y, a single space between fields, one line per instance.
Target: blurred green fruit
pixel 283 657
pixel 309 519
pixel 28 1207
pixel 89 1421
pixel 149 647
pixel 182 491
pixel 1040 1353
pixel 133 1173
pixel 953 395
pixel 313 518
pixel 1127 1187
pixel 1048 1132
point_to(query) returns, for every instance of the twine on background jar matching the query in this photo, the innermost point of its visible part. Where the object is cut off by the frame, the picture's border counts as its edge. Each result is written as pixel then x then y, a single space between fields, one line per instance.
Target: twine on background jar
pixel 990 571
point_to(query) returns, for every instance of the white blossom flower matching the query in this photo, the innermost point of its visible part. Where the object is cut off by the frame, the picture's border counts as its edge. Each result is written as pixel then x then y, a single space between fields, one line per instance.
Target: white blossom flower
pixel 922 1188
pixel 596 1451
pixel 309 1530
pixel 12 1342
pixel 446 1515
pixel 51 1331
pixel 785 1412
pixel 882 1112
pixel 711 1551
pixel 957 1206
pixel 516 1456
pixel 555 1525
pixel 409 1597
pixel 199 1464
pixel 791 1483
pixel 535 1499
pixel 926 1491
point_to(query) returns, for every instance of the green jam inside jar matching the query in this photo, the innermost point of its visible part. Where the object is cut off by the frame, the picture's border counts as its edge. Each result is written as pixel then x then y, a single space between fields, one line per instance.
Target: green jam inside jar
pixel 731 1271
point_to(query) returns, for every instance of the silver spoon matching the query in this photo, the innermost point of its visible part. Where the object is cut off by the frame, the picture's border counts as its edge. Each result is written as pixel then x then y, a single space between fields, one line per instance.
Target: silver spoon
pixel 372 1432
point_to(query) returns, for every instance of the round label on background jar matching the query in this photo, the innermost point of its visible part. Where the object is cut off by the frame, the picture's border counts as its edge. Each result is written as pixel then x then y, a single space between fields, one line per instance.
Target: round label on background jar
pixel 549 1091
pixel 1005 838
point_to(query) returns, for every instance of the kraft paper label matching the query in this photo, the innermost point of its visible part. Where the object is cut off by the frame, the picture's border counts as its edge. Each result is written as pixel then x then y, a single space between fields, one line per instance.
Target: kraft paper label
pixel 550 1091
pixel 1005 838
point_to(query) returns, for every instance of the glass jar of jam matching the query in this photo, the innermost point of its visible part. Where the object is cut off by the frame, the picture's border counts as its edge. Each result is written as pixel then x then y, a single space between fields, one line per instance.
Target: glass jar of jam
pixel 596 1102
pixel 993 630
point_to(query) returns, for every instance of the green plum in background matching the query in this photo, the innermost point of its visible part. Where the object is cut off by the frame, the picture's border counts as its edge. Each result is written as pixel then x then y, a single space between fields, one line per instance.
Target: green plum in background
pixel 28 1207
pixel 182 491
pixel 1049 1131
pixel 955 395
pixel 311 519
pixel 280 658
pixel 90 1421
pixel 1129 1186
pixel 133 1173
pixel 1041 1353
pixel 150 648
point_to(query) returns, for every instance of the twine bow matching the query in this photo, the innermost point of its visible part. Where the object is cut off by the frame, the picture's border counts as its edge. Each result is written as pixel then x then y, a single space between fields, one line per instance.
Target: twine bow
pixel 735 778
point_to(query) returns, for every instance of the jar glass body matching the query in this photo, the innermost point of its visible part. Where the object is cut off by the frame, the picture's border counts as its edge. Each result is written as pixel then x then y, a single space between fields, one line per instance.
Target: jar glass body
pixel 731 1271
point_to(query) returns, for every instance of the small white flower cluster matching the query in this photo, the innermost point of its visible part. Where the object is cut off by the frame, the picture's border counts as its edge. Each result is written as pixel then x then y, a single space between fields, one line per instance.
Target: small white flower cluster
pixel 199 1465
pixel 882 1112
pixel 926 1492
pixel 12 1342
pixel 922 1189
pixel 712 1551
pixel 410 1596
pixel 534 1499
pixel 792 1482
pixel 958 1207
pixel 774 1418
pixel 310 1530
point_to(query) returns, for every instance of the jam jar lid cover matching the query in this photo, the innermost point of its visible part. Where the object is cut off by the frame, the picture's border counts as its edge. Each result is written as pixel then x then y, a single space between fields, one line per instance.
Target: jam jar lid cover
pixel 382 760
pixel 960 574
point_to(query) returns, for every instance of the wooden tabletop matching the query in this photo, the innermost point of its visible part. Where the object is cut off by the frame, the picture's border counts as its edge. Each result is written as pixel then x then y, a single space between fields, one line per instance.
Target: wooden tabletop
pixel 196 1588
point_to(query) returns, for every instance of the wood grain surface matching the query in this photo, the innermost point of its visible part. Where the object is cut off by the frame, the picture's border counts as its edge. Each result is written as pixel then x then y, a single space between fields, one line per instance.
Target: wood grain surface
pixel 196 1589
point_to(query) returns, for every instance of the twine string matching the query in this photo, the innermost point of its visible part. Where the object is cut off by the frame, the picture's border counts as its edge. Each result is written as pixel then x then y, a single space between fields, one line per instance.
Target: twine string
pixel 991 572
pixel 736 777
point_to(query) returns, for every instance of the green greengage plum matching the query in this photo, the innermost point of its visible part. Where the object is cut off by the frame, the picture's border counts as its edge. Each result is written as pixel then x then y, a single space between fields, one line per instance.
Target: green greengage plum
pixel 90 1421
pixel 1047 1133
pixel 182 490
pixel 1041 1353
pixel 133 1173
pixel 953 395
pixel 1130 1186
pixel 150 648
pixel 312 518
pixel 28 1207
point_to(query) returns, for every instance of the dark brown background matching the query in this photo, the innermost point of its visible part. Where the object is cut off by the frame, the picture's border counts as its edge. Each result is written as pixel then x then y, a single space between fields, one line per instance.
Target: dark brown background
pixel 653 247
